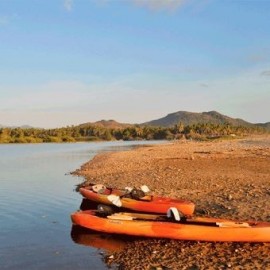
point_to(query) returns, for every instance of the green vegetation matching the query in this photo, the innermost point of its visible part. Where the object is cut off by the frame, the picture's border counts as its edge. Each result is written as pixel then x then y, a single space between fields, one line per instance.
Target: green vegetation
pixel 204 131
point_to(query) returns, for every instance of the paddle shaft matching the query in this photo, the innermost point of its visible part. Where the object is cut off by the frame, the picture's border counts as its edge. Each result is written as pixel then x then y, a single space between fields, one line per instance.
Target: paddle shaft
pixel 195 220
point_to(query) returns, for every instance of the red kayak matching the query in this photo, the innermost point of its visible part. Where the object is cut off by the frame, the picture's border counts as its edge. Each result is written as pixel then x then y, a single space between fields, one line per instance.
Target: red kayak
pixel 148 203
pixel 198 229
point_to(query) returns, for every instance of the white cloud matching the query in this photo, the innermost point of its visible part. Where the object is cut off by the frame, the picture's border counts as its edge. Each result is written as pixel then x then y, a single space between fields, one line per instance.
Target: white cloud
pixel 259 56
pixel 68 5
pixel 4 20
pixel 245 95
pixel 50 96
pixel 7 19
pixel 160 4
pixel 134 99
pixel 265 73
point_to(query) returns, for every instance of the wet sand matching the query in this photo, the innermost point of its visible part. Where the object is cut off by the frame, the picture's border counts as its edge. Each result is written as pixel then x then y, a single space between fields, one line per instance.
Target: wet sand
pixel 228 179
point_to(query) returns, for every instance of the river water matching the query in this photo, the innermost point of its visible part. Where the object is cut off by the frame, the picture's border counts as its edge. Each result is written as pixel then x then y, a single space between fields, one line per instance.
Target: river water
pixel 36 199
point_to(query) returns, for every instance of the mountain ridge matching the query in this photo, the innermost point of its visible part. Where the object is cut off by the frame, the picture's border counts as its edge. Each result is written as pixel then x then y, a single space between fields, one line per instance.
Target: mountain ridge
pixel 184 117
pixel 106 124
pixel 172 119
pixel 190 118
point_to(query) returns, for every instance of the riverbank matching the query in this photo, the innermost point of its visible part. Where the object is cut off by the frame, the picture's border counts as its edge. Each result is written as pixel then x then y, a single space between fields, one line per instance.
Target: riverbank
pixel 229 179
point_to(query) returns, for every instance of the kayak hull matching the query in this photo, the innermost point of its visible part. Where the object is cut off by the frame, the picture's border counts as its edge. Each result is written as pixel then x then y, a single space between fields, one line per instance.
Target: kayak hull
pixel 153 204
pixel 201 229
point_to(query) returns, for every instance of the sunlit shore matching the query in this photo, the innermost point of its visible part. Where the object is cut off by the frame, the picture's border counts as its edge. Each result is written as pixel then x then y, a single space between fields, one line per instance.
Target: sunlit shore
pixel 227 179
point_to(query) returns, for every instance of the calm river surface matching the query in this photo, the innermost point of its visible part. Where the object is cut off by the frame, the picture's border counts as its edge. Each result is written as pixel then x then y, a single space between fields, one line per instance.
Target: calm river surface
pixel 36 199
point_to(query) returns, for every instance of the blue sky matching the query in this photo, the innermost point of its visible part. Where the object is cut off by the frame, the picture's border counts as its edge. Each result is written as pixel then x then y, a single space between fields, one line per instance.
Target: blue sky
pixel 66 62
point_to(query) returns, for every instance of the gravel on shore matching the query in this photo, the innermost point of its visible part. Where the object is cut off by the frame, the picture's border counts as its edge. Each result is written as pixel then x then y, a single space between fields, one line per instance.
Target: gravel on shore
pixel 228 179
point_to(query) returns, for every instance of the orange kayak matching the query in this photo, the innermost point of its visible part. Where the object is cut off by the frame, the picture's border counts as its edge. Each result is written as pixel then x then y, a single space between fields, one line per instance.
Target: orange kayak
pixel 149 204
pixel 198 229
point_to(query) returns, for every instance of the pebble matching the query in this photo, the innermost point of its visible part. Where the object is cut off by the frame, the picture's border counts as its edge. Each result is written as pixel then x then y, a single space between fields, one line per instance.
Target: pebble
pixel 200 180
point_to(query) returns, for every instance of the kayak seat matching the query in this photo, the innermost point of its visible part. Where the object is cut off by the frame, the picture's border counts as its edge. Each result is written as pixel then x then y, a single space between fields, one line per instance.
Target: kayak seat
pixel 148 198
pixel 137 194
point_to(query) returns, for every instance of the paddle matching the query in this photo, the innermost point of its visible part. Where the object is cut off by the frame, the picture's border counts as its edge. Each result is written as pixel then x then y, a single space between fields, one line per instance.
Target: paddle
pixel 137 194
pixel 131 216
pixel 190 221
pixel 143 216
pixel 114 199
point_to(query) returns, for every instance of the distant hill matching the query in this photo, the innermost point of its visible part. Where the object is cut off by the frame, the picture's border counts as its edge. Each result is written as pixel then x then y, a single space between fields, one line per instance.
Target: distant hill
pixel 189 118
pixel 186 118
pixel 26 126
pixel 264 125
pixel 107 124
pixel 23 127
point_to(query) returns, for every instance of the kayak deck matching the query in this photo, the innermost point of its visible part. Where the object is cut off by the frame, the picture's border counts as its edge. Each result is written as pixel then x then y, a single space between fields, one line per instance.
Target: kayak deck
pixel 198 229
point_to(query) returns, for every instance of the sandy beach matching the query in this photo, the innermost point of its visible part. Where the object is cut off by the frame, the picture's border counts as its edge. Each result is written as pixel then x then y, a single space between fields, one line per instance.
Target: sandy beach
pixel 228 179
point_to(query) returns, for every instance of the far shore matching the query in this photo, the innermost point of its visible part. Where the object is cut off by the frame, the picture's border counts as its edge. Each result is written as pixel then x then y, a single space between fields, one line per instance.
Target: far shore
pixel 229 179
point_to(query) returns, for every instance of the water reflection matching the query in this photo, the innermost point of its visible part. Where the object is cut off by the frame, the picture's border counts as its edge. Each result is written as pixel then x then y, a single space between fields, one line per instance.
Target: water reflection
pixel 94 239
pixel 88 205
pixel 36 199
pixel 87 237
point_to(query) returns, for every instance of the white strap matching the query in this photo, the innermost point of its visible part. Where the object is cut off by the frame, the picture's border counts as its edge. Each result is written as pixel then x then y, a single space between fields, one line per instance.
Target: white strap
pixel 173 212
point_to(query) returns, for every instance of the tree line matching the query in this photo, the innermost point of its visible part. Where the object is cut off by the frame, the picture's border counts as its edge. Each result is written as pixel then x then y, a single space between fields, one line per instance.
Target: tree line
pixel 136 132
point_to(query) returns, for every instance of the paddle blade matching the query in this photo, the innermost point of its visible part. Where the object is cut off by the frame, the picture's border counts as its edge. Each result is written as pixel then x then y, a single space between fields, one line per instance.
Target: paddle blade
pixel 114 199
pixel 145 188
